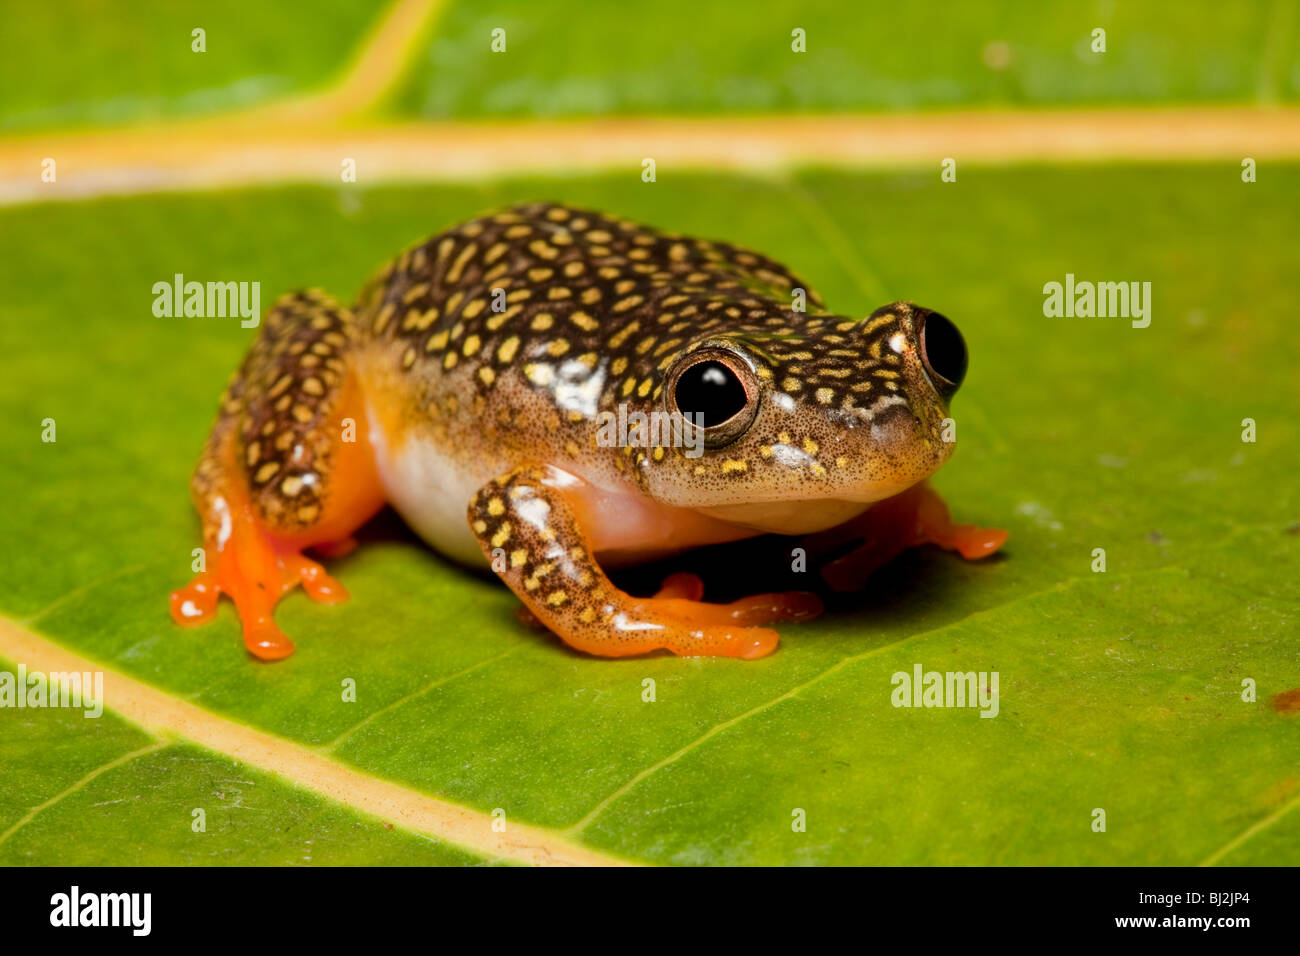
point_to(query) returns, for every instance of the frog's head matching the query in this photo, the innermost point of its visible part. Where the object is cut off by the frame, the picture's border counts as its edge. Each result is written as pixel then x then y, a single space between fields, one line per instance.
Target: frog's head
pixel 805 426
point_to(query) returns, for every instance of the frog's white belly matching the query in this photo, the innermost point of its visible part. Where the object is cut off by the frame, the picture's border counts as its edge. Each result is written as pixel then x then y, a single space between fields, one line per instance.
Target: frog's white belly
pixel 431 490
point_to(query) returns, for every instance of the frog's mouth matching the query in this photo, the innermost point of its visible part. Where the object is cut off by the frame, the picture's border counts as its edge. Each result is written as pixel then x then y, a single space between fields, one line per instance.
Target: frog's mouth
pixel 800 517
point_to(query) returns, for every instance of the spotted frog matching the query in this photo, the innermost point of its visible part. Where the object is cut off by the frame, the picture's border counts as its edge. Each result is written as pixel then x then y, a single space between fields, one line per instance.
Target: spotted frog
pixel 473 386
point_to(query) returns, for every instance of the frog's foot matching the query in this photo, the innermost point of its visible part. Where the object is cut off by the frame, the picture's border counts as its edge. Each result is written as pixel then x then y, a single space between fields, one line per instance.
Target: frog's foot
pixel 254 574
pixel 681 593
pixel 287 467
pixel 687 589
pixel 526 521
pixel 918 516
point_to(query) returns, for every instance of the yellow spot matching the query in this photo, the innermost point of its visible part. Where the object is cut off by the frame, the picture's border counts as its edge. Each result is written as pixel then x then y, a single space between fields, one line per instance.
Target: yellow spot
pixel 486 375
pixel 538 374
pixel 496 507
pixel 810 446
pixel 556 598
pixel 479 526
pixel 437 341
pixel 414 292
pixel 498 318
pixel 543 321
pixel 502 535
pixel 508 348
pixel 518 558
pixel 266 472
pixel 558 347
pixel 291 486
pixel 473 308
pixel 471 345
pixel 449 361
pixel 622 335
pixel 734 464
pixel 466 254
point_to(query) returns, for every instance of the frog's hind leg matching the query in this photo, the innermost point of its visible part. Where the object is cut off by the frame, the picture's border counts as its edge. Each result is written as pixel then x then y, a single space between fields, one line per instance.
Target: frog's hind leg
pixel 529 531
pixel 288 466
pixel 917 516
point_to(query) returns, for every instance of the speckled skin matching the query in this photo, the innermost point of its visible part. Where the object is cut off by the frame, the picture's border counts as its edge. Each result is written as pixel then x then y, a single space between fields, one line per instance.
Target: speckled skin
pixel 478 364
pixel 598 311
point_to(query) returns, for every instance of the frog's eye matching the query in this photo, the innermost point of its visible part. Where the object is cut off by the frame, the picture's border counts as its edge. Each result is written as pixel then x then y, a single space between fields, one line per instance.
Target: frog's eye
pixel 943 351
pixel 717 388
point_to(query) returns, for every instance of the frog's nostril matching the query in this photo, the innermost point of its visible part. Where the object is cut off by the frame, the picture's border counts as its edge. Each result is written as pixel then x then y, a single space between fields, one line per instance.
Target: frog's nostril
pixel 943 351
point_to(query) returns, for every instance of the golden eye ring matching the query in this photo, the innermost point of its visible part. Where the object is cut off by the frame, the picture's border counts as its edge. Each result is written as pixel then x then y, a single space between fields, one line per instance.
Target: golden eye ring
pixel 715 388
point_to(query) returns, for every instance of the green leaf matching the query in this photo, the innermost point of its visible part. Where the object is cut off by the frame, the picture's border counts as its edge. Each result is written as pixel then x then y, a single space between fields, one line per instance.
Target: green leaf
pixel 1119 690
pixel 83 62
pixel 678 56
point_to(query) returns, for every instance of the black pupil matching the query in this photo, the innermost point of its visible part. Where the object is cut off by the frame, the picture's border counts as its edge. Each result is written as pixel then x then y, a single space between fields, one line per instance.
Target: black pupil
pixel 712 390
pixel 945 351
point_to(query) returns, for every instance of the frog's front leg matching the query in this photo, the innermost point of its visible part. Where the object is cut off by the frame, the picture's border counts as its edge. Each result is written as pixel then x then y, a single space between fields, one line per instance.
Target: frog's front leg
pixel 527 526
pixel 917 516
pixel 288 466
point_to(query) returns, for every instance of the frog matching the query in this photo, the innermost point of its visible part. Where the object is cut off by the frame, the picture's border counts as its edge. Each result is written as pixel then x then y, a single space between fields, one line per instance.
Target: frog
pixel 470 384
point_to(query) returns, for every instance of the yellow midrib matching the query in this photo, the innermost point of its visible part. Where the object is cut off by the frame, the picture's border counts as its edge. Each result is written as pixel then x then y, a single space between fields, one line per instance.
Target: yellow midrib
pixel 162 715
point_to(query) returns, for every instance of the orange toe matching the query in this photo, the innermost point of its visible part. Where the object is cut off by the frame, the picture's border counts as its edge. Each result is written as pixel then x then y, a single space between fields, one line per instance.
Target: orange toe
pixel 265 640
pixel 973 543
pixel 315 581
pixel 196 603
pixel 684 585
